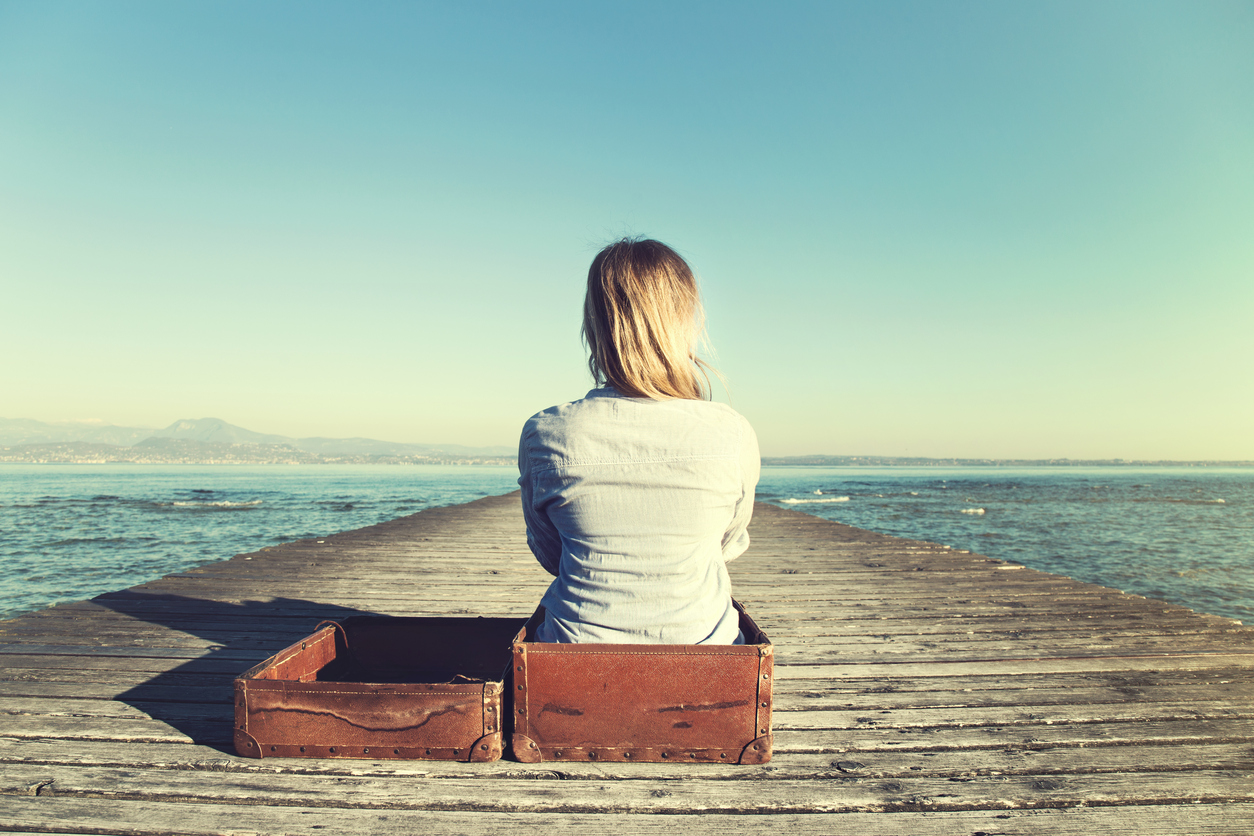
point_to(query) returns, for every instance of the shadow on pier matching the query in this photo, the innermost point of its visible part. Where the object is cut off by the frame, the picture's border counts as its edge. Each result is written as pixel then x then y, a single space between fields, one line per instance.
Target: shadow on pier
pixel 196 697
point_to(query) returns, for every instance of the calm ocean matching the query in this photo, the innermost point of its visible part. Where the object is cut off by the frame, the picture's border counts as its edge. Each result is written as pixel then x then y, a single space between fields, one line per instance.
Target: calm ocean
pixel 1179 534
pixel 1186 535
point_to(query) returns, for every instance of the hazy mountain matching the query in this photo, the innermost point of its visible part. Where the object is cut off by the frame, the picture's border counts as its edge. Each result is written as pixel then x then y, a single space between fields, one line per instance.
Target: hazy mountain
pixel 24 431
pixel 216 431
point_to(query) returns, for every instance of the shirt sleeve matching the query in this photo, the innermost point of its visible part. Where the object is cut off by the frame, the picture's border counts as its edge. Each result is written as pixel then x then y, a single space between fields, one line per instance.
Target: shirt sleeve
pixel 542 536
pixel 736 540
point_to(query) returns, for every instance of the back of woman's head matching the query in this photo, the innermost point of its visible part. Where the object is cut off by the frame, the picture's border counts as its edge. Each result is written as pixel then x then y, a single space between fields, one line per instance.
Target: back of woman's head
pixel 642 320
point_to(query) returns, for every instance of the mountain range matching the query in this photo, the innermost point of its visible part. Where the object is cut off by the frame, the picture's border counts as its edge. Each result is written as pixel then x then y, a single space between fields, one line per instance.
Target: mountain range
pixel 214 441
pixel 23 439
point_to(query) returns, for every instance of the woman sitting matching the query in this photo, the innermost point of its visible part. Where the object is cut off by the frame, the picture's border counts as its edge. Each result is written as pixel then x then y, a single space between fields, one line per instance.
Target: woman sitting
pixel 637 495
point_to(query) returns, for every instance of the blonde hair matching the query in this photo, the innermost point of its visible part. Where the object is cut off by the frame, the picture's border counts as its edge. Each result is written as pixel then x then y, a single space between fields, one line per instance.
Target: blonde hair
pixel 643 321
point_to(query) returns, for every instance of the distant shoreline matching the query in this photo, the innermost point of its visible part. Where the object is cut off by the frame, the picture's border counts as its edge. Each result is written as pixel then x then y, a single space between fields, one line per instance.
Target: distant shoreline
pixel 211 441
pixel 201 453
pixel 902 461
pixel 183 452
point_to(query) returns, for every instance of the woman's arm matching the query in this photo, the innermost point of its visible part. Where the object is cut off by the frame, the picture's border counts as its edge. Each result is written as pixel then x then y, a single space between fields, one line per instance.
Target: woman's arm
pixel 736 540
pixel 542 536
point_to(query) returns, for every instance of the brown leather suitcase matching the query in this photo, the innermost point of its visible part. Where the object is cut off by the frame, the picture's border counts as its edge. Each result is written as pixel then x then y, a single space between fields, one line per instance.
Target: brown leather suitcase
pixel 379 687
pixel 629 702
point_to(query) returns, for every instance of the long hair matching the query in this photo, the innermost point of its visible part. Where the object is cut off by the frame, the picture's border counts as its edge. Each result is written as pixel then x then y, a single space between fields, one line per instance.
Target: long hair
pixel 643 321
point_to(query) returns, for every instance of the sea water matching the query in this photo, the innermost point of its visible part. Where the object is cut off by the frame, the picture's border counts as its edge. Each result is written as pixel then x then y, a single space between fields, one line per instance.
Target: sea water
pixel 69 532
pixel 1179 534
pixel 1186 535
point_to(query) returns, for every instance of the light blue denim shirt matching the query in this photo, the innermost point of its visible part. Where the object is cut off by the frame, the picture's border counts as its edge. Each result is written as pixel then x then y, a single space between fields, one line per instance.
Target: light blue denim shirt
pixel 636 505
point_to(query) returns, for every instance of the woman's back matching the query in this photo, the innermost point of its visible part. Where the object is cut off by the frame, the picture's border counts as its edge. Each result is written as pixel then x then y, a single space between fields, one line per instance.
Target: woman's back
pixel 635 504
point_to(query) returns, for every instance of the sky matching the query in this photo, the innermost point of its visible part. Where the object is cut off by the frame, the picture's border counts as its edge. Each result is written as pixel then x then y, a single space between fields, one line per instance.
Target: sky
pixel 944 229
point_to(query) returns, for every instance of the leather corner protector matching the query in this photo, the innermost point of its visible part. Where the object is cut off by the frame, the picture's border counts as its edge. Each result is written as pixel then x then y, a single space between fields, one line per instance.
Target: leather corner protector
pixel 246 745
pixel 525 749
pixel 487 748
pixel 757 751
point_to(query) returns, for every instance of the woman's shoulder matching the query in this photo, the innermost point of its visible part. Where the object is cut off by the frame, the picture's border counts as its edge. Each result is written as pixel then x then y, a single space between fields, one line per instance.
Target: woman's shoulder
pixel 593 402
pixel 603 408
pixel 608 428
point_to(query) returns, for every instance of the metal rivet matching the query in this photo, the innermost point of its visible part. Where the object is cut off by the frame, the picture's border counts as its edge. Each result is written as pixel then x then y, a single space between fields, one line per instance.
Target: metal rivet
pixel 764 704
pixel 558 753
pixel 520 667
pixel 592 754
pixel 722 754
pixel 365 751
pixel 520 687
pixel 483 746
pixel 302 645
pixel 533 745
pixel 626 754
pixel 522 711
pixel 457 751
pixel 665 754
pixel 272 748
pixel 396 751
pixel 332 748
pixel 428 751
pixel 766 676
pixel 302 748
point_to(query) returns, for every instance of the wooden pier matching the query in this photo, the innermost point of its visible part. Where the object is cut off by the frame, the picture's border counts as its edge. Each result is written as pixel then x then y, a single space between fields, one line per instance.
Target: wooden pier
pixel 920 690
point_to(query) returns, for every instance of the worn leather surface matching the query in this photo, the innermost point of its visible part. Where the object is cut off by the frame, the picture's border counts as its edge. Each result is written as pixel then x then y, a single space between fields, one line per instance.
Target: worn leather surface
pixel 694 703
pixel 376 687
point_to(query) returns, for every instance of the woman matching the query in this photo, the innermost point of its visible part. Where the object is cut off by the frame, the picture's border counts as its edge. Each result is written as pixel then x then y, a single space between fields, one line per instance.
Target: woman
pixel 636 496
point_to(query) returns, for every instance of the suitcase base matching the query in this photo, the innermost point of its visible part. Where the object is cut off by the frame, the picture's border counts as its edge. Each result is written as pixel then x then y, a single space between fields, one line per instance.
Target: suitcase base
pixel 645 703
pixel 380 688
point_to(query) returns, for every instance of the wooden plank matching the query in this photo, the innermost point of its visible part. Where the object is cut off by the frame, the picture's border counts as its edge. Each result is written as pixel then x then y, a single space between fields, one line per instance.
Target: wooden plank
pixel 76 815
pixel 818 624
pixel 891 668
pixel 224 619
pixel 155 665
pixel 954 763
pixel 506 795
pixel 844 651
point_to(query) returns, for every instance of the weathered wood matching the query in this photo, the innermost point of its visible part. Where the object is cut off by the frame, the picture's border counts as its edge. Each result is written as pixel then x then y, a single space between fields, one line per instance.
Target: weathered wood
pixel 956 763
pixel 1010 666
pixel 839 794
pixel 79 815
pixel 921 690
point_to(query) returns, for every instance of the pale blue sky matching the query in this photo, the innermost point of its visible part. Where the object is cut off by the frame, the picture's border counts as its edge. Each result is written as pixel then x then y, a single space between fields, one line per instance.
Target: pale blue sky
pixel 934 229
